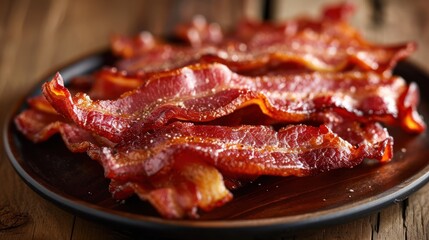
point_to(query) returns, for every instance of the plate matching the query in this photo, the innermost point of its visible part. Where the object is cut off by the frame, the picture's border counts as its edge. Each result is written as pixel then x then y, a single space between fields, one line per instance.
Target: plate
pixel 269 205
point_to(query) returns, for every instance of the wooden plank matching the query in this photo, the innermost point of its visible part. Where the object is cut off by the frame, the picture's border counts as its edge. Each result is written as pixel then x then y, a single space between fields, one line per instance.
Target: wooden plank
pixel 24 214
pixel 358 229
pixel 416 214
pixel 84 229
pixel 391 223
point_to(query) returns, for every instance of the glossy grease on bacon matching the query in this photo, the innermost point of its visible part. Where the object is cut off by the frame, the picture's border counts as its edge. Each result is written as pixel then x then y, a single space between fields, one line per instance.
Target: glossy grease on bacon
pixel 201 93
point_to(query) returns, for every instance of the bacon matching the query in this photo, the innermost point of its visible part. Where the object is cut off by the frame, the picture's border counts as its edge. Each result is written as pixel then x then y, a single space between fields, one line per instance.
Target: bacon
pixel 326 44
pixel 182 125
pixel 179 192
pixel 40 126
pixel 198 32
pixel 339 12
pixel 153 166
pixel 128 47
pixel 202 93
pixel 109 83
pixel 256 150
pixel 40 122
pixel 40 103
pixel 307 49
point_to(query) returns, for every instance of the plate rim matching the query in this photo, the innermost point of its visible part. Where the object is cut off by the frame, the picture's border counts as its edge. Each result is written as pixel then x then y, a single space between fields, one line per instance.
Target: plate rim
pixel 294 222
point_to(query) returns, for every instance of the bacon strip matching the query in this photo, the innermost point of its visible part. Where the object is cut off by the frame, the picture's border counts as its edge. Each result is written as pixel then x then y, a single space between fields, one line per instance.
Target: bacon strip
pixel 40 126
pixel 153 166
pixel 40 122
pixel 297 150
pixel 109 83
pixel 326 44
pixel 306 49
pixel 199 32
pixel 202 93
pixel 179 192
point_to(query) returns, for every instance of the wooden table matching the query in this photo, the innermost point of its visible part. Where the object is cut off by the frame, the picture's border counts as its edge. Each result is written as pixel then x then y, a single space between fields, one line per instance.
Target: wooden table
pixel 38 36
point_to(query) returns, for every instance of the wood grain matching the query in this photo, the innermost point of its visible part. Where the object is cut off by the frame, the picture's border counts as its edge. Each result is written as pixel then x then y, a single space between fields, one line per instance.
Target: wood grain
pixel 39 36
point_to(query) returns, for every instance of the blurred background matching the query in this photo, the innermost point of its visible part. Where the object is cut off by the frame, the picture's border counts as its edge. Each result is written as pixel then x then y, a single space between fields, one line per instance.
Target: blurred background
pixel 39 36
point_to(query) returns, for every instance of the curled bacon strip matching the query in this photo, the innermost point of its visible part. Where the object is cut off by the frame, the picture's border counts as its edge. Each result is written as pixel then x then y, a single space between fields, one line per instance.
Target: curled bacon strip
pixel 326 44
pixel 202 93
pixel 150 165
pixel 40 122
pixel 180 191
pixel 40 126
pixel 126 47
pixel 109 83
pixel 306 49
pixel 199 32
pixel 256 150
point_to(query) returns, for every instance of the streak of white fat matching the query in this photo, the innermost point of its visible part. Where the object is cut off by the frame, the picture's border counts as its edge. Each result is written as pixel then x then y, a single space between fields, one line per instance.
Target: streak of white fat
pixel 273 95
pixel 345 101
pixel 391 104
pixel 309 58
pixel 365 57
pixel 372 79
pixel 180 104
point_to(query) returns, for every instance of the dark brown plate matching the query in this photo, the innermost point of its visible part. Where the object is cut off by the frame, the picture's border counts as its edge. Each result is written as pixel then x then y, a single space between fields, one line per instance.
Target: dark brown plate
pixel 268 205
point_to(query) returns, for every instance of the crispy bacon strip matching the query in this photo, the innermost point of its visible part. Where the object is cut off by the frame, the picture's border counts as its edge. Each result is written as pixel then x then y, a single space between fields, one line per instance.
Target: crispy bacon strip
pixel 171 166
pixel 40 122
pixel 179 192
pixel 202 93
pixel 199 32
pixel 109 83
pixel 127 47
pixel 41 104
pixel 40 126
pixel 326 44
pixel 314 51
pixel 297 150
